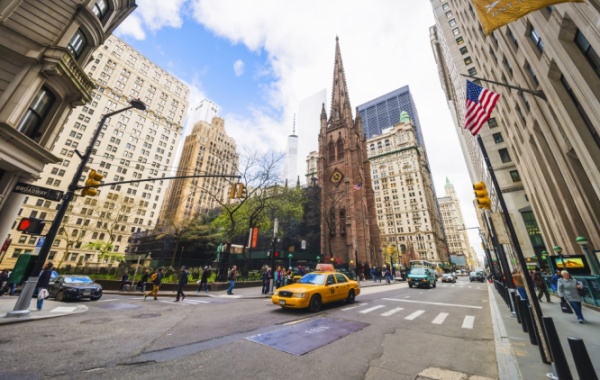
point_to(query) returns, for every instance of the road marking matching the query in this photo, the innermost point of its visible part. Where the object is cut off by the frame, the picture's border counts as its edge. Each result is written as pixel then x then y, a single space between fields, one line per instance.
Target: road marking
pixel 393 311
pixel 64 309
pixel 439 319
pixel 353 307
pixel 110 299
pixel 433 303
pixel 414 315
pixel 195 301
pixel 407 297
pixel 468 322
pixel 371 309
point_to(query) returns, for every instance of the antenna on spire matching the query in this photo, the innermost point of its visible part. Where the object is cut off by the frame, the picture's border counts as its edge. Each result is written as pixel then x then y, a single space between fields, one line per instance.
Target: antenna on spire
pixel 294 126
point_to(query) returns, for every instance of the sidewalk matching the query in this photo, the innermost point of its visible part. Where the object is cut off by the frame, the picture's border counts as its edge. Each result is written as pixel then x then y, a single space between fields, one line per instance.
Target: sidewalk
pixel 51 309
pixel 527 357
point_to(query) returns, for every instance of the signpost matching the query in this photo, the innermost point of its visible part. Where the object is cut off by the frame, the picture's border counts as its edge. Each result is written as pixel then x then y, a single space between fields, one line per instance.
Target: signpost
pixel 38 191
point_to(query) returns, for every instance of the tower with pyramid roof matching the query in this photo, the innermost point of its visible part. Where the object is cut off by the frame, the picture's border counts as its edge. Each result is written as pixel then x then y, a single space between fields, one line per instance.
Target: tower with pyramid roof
pixel 349 231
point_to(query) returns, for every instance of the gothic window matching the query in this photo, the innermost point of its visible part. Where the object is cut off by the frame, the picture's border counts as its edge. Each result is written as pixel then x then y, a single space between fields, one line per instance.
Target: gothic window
pixel 340 149
pixel 332 222
pixel 331 152
pixel 342 222
pixel 35 116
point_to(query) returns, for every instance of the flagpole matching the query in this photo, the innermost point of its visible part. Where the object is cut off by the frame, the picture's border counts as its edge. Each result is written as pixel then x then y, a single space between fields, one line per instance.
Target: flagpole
pixel 538 93
pixel 537 311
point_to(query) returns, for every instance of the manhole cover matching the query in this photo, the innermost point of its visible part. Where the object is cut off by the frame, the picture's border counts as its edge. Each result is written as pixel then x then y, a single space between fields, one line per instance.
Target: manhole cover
pixel 142 316
pixel 99 321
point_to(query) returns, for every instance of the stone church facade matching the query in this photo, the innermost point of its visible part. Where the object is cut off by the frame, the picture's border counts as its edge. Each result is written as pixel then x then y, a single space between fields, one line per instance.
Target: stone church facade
pixel 349 231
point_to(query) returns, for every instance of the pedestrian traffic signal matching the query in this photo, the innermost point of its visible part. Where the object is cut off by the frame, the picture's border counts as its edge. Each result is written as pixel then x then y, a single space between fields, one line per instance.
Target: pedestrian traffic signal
pixel 481 196
pixel 31 226
pixel 92 184
pixel 276 254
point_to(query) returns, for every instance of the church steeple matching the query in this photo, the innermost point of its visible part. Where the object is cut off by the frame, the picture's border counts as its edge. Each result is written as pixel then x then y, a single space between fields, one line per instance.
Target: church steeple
pixel 340 102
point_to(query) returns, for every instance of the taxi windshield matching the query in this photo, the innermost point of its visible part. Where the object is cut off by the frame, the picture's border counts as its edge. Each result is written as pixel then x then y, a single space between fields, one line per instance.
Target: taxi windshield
pixel 313 278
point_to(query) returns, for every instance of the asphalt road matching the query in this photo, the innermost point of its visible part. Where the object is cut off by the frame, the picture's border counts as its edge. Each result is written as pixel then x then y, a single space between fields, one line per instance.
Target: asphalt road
pixel 390 332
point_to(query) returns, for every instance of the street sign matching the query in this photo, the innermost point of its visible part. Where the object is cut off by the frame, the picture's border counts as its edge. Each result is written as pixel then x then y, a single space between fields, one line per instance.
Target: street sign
pixel 38 191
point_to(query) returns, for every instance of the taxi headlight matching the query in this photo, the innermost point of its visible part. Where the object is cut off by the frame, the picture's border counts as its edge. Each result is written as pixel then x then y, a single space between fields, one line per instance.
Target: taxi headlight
pixel 298 295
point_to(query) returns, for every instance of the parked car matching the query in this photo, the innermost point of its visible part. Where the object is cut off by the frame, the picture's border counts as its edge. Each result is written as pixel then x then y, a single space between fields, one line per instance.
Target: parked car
pixel 315 289
pixel 74 287
pixel 477 276
pixel 448 277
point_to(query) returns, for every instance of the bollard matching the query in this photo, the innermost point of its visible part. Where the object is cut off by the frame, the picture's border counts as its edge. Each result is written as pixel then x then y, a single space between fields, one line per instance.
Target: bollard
pixel 527 318
pixel 507 298
pixel 513 302
pixel 584 366
pixel 558 355
pixel 520 303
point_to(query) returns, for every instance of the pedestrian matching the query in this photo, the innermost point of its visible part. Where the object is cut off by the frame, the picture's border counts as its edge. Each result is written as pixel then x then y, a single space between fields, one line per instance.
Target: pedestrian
pixel 554 281
pixel 124 280
pixel 388 276
pixel 284 277
pixel 156 279
pixel 278 278
pixel 43 284
pixel 204 279
pixel 231 277
pixel 568 289
pixel 373 269
pixel 264 277
pixel 141 285
pixel 520 285
pixel 540 284
pixel 183 280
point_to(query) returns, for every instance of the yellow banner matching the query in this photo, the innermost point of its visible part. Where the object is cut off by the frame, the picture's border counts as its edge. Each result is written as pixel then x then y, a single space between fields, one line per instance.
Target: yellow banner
pixel 496 13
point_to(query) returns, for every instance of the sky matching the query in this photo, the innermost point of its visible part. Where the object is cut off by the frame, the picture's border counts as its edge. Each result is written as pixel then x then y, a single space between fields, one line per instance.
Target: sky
pixel 258 59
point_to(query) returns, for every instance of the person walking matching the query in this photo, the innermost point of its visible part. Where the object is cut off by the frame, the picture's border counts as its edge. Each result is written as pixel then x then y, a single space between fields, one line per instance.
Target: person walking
pixel 43 284
pixel 554 281
pixel 520 285
pixel 540 284
pixel 278 278
pixel 183 280
pixel 156 279
pixel 568 288
pixel 204 279
pixel 141 285
pixel 124 280
pixel 232 277
pixel 284 276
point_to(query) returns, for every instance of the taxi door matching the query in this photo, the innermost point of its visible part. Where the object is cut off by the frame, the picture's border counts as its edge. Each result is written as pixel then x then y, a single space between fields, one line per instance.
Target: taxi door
pixel 331 293
pixel 343 286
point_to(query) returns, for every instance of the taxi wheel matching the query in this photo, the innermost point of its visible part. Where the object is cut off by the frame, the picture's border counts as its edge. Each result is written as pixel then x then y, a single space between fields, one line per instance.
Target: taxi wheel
pixel 315 303
pixel 351 297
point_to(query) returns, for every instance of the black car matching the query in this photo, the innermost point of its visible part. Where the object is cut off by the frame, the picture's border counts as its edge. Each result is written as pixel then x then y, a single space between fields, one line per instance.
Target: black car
pixel 74 287
pixel 477 276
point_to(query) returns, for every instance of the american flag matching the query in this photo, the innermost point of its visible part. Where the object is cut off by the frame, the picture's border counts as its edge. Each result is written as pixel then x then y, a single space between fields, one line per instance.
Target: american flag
pixel 479 105
pixel 358 186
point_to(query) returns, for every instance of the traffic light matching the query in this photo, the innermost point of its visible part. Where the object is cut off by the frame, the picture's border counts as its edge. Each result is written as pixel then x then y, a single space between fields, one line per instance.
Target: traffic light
pixel 31 226
pixel 241 191
pixel 276 254
pixel 93 181
pixel 232 191
pixel 481 196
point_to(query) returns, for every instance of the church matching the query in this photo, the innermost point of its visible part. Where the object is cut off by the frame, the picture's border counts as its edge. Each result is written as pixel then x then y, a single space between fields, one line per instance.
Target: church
pixel 349 231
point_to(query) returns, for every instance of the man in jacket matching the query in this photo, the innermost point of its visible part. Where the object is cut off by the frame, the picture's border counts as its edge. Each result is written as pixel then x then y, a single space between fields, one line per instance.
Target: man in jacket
pixel 43 284
pixel 156 279
pixel 183 280
pixel 540 284
pixel 204 279
pixel 232 277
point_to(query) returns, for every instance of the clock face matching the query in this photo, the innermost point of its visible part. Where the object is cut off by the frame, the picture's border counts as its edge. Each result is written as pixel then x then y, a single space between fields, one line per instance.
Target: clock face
pixel 336 177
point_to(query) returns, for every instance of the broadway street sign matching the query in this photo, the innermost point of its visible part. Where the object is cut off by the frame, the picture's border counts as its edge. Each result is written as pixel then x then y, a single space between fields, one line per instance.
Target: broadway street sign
pixel 25 188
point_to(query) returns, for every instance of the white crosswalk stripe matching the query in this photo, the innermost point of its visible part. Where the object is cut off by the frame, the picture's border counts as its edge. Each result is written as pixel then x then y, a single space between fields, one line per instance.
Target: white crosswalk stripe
pixel 440 318
pixel 414 315
pixel 468 322
pixel 371 309
pixel 391 312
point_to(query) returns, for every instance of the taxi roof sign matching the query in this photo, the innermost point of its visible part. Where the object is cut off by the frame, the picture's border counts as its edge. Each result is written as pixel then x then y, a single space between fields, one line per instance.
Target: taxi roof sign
pixel 325 268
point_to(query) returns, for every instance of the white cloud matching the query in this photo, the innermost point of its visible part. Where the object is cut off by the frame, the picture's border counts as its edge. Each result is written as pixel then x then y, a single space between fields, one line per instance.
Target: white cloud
pixel 238 67
pixel 153 15
pixel 132 26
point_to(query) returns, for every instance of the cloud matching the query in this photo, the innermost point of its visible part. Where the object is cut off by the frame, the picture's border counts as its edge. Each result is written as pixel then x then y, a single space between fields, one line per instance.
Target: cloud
pixel 153 15
pixel 132 26
pixel 238 67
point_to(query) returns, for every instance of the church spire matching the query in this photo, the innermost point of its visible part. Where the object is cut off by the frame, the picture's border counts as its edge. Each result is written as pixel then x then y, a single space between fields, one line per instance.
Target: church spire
pixel 340 102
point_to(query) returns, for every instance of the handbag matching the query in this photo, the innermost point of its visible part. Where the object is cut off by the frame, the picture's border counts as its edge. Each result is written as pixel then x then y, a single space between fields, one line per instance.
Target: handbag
pixel 581 292
pixel 565 307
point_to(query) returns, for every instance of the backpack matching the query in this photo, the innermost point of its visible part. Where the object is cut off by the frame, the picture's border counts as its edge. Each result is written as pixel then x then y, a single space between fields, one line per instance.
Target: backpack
pixel 154 276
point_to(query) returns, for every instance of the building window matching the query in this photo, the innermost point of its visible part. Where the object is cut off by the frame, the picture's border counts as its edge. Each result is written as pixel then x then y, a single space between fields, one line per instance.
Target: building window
pixel 464 50
pixel 36 113
pixel 331 152
pixel 342 222
pixel 77 43
pixel 468 61
pixel 588 51
pixel 340 149
pixel 456 31
pixel 537 41
pixel 586 120
pixel 452 22
pixel 460 41
pixel 512 38
pixel 472 71
pixel 532 74
pixel 100 9
pixel 498 138
pixel 514 174
pixel 504 155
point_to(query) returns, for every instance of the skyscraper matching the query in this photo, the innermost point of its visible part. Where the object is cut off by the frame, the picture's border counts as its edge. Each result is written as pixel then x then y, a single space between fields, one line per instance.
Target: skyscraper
pixel 291 157
pixel 204 111
pixel 348 220
pixel 132 145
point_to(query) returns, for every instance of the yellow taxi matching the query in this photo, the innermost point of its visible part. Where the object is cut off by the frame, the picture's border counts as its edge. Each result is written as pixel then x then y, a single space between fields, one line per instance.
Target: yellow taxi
pixel 314 289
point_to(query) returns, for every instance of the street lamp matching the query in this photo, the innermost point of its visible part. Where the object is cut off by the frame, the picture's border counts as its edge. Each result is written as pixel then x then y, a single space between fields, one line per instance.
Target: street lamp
pixel 318 259
pixel 548 263
pixel 21 308
pixel 290 260
pixel 332 261
pixel 558 250
pixel 583 242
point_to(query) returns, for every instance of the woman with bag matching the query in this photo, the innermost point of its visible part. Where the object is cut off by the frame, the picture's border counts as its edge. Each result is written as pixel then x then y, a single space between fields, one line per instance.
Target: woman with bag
pixel 568 289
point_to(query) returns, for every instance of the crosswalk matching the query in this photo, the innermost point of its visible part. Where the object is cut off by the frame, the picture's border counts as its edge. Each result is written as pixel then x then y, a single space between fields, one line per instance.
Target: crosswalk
pixel 468 321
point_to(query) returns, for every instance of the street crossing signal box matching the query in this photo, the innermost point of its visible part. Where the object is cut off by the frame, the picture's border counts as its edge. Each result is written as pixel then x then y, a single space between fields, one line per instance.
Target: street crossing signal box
pixel 482 196
pixel 93 182
pixel 31 226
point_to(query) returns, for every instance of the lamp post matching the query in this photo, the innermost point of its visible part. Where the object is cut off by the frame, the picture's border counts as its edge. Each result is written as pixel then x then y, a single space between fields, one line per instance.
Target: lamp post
pixel 583 242
pixel 558 250
pixel 332 261
pixel 290 260
pixel 318 259
pixel 22 306
pixel 548 263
